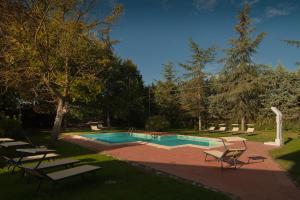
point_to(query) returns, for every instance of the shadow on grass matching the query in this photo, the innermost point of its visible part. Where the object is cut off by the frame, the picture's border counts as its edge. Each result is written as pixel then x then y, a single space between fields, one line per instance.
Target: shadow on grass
pixel 116 180
pixel 252 134
pixel 289 139
pixel 289 158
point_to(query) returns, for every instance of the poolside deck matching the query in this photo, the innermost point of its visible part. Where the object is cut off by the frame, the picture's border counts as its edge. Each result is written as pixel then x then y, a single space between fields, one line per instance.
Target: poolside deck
pixel 255 180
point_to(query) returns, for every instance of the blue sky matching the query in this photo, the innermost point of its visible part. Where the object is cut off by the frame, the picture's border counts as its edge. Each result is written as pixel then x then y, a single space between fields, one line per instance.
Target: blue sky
pixel 153 32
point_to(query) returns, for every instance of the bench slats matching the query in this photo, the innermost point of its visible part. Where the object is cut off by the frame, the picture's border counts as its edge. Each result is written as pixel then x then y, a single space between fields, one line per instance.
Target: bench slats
pixel 55 176
pixel 56 163
pixel 36 157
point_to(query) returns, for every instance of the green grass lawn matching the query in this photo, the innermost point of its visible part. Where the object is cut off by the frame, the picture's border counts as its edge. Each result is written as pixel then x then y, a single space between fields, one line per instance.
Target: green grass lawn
pixel 117 180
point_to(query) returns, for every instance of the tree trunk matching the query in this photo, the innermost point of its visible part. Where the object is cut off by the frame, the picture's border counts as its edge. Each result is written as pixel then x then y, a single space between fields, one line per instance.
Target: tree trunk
pixel 108 119
pixel 60 111
pixel 199 123
pixel 243 123
pixel 62 104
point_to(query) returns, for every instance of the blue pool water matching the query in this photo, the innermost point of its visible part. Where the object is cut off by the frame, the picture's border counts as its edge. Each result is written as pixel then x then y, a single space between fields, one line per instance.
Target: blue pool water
pixel 168 140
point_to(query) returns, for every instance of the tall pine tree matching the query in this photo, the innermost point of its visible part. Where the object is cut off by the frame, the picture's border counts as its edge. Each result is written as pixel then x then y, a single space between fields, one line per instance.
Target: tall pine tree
pixel 240 87
pixel 166 94
pixel 193 95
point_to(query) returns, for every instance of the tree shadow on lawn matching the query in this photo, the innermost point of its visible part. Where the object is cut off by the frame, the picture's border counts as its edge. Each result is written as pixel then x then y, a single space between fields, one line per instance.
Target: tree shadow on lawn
pixel 289 158
pixel 289 139
pixel 116 180
pixel 119 180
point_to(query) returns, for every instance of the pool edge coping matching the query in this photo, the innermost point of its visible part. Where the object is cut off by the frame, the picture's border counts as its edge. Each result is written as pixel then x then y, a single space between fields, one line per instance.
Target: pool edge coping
pixel 152 144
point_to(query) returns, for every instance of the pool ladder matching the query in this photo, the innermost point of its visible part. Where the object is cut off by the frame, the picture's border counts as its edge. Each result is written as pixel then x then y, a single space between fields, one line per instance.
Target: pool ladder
pixel 131 130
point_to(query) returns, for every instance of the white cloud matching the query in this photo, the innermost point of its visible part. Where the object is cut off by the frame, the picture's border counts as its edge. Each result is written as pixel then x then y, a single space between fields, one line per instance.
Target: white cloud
pixel 280 10
pixel 251 2
pixel 257 20
pixel 204 4
pixel 242 2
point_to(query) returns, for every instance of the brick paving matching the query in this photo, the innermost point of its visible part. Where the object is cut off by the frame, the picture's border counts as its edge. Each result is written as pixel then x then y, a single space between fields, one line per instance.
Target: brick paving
pixel 256 180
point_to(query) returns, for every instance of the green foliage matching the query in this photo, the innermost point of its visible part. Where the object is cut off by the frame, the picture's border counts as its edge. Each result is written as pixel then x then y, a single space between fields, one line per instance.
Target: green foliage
pixel 240 87
pixel 281 90
pixel 166 95
pixel 10 126
pixel 295 43
pixel 157 123
pixel 121 97
pixel 194 93
pixel 53 50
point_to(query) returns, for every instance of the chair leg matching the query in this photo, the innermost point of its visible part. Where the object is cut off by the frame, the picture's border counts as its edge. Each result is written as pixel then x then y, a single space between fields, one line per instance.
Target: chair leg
pixel 205 157
pixel 28 179
pixel 221 163
pixel 52 188
pixel 39 185
pixel 23 173
pixel 13 169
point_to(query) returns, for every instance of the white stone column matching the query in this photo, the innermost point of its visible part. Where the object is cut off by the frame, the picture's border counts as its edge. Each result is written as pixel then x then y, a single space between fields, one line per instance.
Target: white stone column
pixel 279 139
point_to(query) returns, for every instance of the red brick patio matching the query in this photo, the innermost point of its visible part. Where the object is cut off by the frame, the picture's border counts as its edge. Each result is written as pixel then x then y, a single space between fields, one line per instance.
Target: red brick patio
pixel 255 180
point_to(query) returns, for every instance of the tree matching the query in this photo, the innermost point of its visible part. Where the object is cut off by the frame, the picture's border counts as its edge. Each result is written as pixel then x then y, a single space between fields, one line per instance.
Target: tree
pixel 121 98
pixel 295 43
pixel 167 95
pixel 193 93
pixel 129 95
pixel 281 91
pixel 239 76
pixel 51 48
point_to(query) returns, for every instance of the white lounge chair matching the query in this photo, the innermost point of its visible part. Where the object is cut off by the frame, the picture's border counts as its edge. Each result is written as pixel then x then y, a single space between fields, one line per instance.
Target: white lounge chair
pixel 211 128
pixel 51 164
pixel 250 130
pixel 96 127
pixel 228 155
pixel 56 176
pixel 6 140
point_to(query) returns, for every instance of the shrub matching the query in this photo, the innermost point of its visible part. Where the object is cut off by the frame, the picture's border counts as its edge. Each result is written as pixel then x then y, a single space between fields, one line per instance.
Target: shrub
pixel 267 123
pixel 11 127
pixel 157 123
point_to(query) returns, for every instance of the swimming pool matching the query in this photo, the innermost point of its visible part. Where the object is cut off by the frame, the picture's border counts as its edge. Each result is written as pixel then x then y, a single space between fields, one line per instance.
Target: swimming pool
pixel 167 140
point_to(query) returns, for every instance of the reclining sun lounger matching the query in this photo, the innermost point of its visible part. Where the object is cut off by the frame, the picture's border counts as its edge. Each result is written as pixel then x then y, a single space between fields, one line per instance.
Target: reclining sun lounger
pixel 51 164
pixel 62 174
pixel 13 144
pixel 221 129
pixel 211 128
pixel 15 162
pixel 234 130
pixel 36 154
pixel 6 140
pixel 228 155
pixel 250 130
